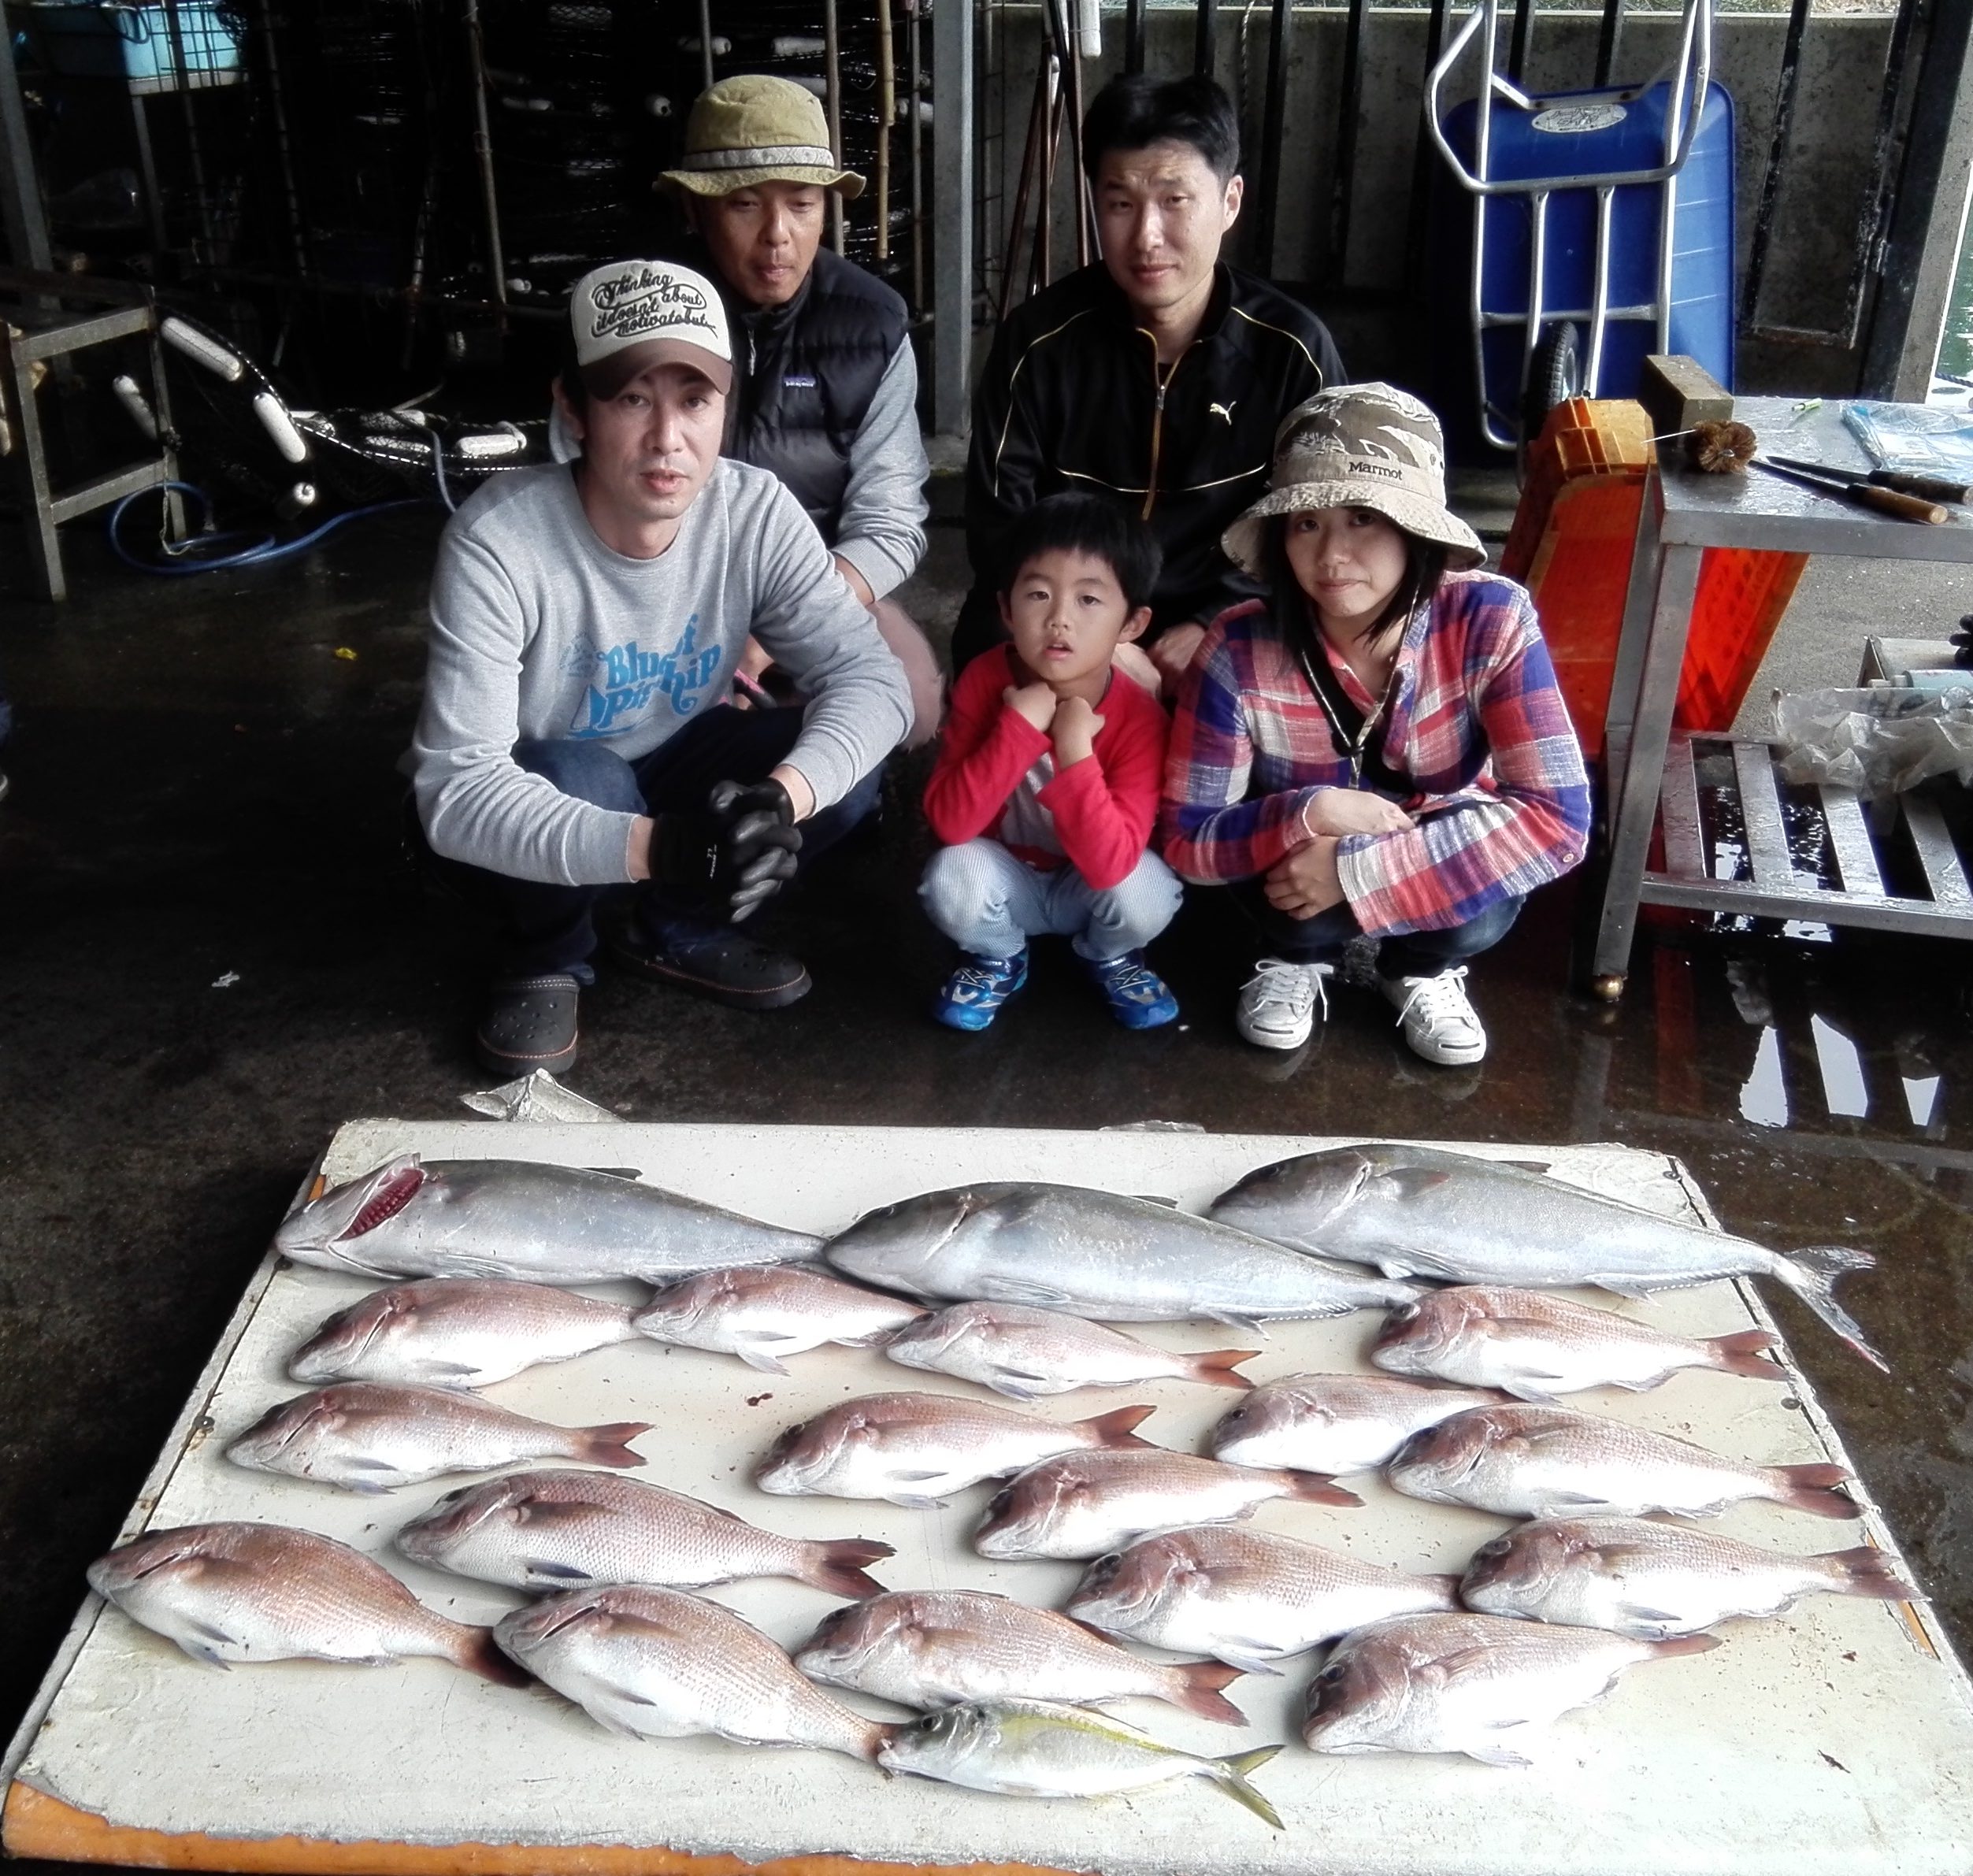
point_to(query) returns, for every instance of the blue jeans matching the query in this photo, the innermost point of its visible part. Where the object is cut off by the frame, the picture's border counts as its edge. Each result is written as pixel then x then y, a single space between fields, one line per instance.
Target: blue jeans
pixel 541 927
pixel 1323 939
pixel 990 904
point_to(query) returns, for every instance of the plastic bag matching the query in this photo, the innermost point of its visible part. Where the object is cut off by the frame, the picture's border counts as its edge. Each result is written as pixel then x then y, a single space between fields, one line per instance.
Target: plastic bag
pixel 1921 439
pixel 1877 742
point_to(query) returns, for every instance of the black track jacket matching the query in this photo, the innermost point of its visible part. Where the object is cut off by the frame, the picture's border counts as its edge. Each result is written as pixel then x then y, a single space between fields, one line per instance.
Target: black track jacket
pixel 1071 398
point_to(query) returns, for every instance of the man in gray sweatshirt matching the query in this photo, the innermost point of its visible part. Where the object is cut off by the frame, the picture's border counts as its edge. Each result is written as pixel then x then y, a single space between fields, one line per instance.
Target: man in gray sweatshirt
pixel 585 622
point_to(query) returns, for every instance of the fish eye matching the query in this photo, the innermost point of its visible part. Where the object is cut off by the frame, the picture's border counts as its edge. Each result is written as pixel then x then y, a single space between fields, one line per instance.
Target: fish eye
pixel 1499 1547
pixel 1405 1312
pixel 1001 1500
pixel 1331 1674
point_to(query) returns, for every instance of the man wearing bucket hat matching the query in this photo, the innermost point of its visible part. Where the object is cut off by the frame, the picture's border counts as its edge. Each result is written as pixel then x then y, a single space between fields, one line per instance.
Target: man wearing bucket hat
pixel 1155 376
pixel 825 385
pixel 586 620
pixel 1379 748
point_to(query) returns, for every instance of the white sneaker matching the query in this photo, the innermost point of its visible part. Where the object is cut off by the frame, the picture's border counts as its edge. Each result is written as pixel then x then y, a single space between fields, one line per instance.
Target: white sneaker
pixel 1277 1002
pixel 1438 1021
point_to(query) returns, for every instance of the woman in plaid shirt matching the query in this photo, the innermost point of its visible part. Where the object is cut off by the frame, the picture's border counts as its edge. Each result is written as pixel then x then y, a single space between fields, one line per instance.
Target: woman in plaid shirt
pixel 1379 748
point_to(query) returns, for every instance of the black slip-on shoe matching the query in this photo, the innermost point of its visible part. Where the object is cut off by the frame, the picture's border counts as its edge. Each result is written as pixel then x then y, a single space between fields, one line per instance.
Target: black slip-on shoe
pixel 530 1023
pixel 719 963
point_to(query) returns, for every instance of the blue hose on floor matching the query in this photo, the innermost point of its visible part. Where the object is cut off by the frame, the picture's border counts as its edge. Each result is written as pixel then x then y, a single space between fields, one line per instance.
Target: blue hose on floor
pixel 264 552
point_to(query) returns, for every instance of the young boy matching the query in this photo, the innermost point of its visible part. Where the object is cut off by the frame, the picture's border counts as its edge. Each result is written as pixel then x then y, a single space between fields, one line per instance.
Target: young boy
pixel 1047 782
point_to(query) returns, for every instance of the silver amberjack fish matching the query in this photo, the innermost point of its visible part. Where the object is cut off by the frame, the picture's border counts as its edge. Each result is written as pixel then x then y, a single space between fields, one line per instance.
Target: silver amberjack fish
pixel 1451 1218
pixel 1095 1254
pixel 512 1217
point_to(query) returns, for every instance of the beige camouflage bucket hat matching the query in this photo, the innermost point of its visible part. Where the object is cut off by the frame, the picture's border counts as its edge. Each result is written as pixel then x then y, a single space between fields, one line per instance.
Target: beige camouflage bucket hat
pixel 1358 446
pixel 757 129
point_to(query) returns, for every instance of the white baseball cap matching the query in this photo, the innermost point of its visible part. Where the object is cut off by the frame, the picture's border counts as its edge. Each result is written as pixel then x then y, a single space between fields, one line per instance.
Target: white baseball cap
pixel 633 314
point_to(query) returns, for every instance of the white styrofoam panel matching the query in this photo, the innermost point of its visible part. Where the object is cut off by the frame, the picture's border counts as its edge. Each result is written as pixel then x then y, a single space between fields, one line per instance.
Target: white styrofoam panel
pixel 1839 1739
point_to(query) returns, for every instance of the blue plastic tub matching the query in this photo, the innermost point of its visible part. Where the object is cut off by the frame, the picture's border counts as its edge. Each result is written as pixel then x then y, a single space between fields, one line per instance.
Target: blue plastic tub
pixel 1585 133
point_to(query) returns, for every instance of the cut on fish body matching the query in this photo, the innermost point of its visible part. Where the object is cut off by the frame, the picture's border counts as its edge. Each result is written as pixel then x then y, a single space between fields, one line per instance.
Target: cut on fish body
pixel 763 1314
pixel 1025 1352
pixel 1094 1253
pixel 233 1593
pixel 457 1331
pixel 1542 1462
pixel 1079 1505
pixel 1420 1211
pixel 1028 1748
pixel 1536 1346
pixel 365 1437
pixel 923 1647
pixel 915 1449
pixel 1334 1423
pixel 514 1219
pixel 557 1530
pixel 1480 1685
pixel 1639 1578
pixel 1248 1597
pixel 661 1664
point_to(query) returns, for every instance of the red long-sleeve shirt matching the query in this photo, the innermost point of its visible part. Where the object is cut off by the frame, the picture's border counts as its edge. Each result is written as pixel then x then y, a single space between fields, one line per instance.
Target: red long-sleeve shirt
pixel 997 775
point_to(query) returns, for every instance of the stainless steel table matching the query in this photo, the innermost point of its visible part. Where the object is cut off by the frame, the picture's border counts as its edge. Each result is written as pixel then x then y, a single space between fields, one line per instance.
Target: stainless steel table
pixel 1649 772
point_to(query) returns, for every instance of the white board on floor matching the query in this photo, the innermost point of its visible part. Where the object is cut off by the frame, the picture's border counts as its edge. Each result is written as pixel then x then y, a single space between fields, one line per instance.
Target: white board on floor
pixel 1839 1739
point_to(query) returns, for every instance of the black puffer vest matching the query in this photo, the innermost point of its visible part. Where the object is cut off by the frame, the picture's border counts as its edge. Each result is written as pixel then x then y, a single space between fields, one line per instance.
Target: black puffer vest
pixel 804 375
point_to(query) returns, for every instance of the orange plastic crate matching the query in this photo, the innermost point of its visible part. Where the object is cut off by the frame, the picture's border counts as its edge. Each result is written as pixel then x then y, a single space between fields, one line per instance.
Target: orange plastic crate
pixel 1570 546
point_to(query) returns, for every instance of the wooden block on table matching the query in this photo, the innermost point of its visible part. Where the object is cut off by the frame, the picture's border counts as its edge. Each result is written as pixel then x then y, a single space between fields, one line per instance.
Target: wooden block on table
pixel 1678 392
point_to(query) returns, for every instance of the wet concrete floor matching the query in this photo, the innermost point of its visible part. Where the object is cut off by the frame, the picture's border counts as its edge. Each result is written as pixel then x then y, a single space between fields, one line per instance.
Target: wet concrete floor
pixel 213 954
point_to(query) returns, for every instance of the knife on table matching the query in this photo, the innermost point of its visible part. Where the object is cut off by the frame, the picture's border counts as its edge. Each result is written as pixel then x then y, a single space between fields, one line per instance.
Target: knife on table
pixel 1933 488
pixel 1860 493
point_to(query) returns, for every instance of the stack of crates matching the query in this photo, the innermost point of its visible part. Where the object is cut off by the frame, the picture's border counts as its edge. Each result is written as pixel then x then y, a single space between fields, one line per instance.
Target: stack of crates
pixel 1570 546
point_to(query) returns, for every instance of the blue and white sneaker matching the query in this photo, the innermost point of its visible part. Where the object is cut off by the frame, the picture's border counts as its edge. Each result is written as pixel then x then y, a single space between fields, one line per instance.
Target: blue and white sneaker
pixel 1136 994
pixel 972 994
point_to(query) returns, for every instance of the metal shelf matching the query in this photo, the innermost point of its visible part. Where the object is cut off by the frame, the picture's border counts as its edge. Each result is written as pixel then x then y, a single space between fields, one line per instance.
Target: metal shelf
pixel 1863 845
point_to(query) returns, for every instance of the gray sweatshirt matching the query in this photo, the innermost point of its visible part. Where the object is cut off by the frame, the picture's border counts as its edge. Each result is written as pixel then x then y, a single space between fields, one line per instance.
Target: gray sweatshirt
pixel 882 533
pixel 539 631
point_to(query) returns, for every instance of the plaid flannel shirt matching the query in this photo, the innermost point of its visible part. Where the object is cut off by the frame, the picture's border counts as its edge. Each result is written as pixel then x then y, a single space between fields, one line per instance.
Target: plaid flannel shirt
pixel 1476 723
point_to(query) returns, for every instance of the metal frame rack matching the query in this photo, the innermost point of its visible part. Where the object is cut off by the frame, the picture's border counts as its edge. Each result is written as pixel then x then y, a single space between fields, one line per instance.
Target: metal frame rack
pixel 1650 777
pixel 44 333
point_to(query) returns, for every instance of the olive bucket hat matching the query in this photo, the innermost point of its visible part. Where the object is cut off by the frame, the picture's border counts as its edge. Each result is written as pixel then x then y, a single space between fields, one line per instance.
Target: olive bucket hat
pixel 756 129
pixel 1358 446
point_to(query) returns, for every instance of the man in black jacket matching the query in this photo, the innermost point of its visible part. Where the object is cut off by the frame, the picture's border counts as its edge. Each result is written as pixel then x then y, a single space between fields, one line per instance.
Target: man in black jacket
pixel 1157 375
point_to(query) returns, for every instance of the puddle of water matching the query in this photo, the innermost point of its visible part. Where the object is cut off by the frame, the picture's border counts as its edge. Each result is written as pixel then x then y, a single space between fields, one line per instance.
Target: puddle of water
pixel 1763 1096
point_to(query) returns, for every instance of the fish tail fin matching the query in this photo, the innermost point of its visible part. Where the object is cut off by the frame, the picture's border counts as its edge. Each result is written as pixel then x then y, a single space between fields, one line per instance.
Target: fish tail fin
pixel 1230 1774
pixel 1865 1571
pixel 1216 1366
pixel 476 1651
pixel 1199 1692
pixel 1813 1488
pixel 609 1444
pixel 1684 1645
pixel 1117 1427
pixel 1316 1488
pixel 1812 1272
pixel 1447 1587
pixel 836 1565
pixel 1747 1352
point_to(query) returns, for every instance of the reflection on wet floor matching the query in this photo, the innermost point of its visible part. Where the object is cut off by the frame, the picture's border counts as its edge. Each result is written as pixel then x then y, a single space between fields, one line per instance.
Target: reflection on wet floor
pixel 1763 1096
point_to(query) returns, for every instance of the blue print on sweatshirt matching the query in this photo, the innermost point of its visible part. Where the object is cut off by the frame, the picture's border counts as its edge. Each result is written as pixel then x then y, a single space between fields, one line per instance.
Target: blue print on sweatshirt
pixel 630 677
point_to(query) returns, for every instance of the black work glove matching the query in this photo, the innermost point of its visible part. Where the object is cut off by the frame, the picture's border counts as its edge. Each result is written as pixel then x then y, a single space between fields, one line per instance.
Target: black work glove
pixel 1963 643
pixel 757 840
pixel 684 855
